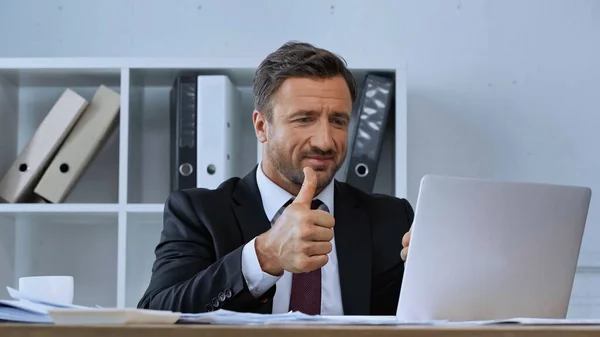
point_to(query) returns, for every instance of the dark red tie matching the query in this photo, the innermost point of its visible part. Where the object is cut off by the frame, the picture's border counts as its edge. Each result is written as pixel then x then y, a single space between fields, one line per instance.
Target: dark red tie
pixel 306 287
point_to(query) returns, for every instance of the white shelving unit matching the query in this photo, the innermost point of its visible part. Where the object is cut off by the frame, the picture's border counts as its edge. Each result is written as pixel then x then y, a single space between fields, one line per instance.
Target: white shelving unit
pixel 105 233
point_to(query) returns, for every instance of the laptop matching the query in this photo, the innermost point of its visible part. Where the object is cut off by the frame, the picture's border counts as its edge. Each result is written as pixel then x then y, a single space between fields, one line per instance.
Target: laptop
pixel 488 250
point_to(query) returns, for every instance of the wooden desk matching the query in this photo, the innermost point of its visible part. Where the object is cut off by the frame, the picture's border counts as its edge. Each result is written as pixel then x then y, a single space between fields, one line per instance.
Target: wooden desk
pixel 9 330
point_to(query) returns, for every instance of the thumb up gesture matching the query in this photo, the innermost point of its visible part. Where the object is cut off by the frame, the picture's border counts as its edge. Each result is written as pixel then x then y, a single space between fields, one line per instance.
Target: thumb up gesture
pixel 300 239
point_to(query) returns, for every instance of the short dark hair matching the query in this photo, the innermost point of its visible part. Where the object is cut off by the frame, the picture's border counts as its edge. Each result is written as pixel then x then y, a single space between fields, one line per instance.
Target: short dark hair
pixel 296 59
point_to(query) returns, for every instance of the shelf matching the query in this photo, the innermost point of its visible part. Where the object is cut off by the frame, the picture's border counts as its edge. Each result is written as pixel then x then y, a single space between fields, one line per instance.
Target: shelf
pixel 145 208
pixel 84 209
pixel 106 231
pixel 58 208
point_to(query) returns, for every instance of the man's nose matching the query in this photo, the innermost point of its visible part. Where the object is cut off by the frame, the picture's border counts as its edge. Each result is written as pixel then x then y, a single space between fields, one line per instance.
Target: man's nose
pixel 322 137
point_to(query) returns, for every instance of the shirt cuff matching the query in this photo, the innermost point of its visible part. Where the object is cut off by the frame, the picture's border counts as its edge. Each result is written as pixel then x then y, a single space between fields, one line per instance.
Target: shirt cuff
pixel 257 280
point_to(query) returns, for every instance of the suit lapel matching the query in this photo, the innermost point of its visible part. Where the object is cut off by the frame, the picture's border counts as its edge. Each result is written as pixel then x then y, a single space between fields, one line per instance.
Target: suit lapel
pixel 354 252
pixel 248 209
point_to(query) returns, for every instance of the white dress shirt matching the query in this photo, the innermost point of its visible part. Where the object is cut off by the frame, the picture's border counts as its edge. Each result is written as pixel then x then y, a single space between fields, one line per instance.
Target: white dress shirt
pixel 273 198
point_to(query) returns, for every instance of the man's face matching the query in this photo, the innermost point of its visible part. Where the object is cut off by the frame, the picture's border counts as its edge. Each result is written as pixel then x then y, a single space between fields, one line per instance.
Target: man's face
pixel 309 127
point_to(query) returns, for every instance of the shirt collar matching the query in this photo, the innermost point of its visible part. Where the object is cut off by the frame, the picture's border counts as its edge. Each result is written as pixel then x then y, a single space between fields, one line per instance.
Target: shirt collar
pixel 274 197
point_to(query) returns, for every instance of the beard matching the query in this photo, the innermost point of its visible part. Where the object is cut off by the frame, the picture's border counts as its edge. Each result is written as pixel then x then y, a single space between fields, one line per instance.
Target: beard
pixel 284 163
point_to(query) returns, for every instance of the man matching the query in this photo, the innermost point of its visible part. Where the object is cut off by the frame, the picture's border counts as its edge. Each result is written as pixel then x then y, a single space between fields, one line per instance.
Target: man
pixel 287 236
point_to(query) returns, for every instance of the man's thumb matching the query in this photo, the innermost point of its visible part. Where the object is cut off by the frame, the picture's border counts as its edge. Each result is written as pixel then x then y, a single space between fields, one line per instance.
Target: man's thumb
pixel 307 191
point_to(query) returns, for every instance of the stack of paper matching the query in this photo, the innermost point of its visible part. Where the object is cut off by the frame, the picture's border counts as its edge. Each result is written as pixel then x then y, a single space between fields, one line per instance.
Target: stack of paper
pixel 23 312
pixel 25 309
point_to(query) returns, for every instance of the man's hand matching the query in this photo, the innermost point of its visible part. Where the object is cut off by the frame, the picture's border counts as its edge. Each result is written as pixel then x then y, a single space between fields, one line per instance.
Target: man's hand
pixel 405 244
pixel 300 239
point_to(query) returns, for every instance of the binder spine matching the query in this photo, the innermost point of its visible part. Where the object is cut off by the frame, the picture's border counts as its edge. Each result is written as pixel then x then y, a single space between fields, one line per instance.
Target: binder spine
pixel 218 135
pixel 375 105
pixel 183 119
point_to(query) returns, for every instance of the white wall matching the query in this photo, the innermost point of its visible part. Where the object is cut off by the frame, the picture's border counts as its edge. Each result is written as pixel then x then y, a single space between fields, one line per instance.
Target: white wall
pixel 505 89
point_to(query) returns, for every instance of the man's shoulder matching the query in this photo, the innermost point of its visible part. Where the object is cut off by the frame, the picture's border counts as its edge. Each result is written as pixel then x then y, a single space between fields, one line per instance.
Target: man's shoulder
pixel 379 203
pixel 201 195
pixel 372 199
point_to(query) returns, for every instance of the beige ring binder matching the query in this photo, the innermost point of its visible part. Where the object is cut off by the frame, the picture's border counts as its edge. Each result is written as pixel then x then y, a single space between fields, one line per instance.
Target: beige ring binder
pixel 18 183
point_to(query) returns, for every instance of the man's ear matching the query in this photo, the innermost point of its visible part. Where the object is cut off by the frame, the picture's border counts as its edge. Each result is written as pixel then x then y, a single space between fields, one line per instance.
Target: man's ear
pixel 260 125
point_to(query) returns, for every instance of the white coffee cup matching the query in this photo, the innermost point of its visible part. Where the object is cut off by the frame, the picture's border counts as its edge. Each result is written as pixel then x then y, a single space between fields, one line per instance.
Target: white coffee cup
pixel 55 289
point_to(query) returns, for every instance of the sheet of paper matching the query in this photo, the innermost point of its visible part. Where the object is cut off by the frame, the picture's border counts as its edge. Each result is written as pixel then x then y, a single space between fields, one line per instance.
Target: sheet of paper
pixel 292 318
pixel 526 321
pixel 349 320
pixel 548 321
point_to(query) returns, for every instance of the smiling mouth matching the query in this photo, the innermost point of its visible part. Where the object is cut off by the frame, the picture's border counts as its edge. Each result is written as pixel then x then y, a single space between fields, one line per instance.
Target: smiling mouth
pixel 320 160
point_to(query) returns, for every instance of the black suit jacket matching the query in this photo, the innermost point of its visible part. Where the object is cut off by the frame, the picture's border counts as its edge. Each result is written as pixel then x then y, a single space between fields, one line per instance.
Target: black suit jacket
pixel 198 259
